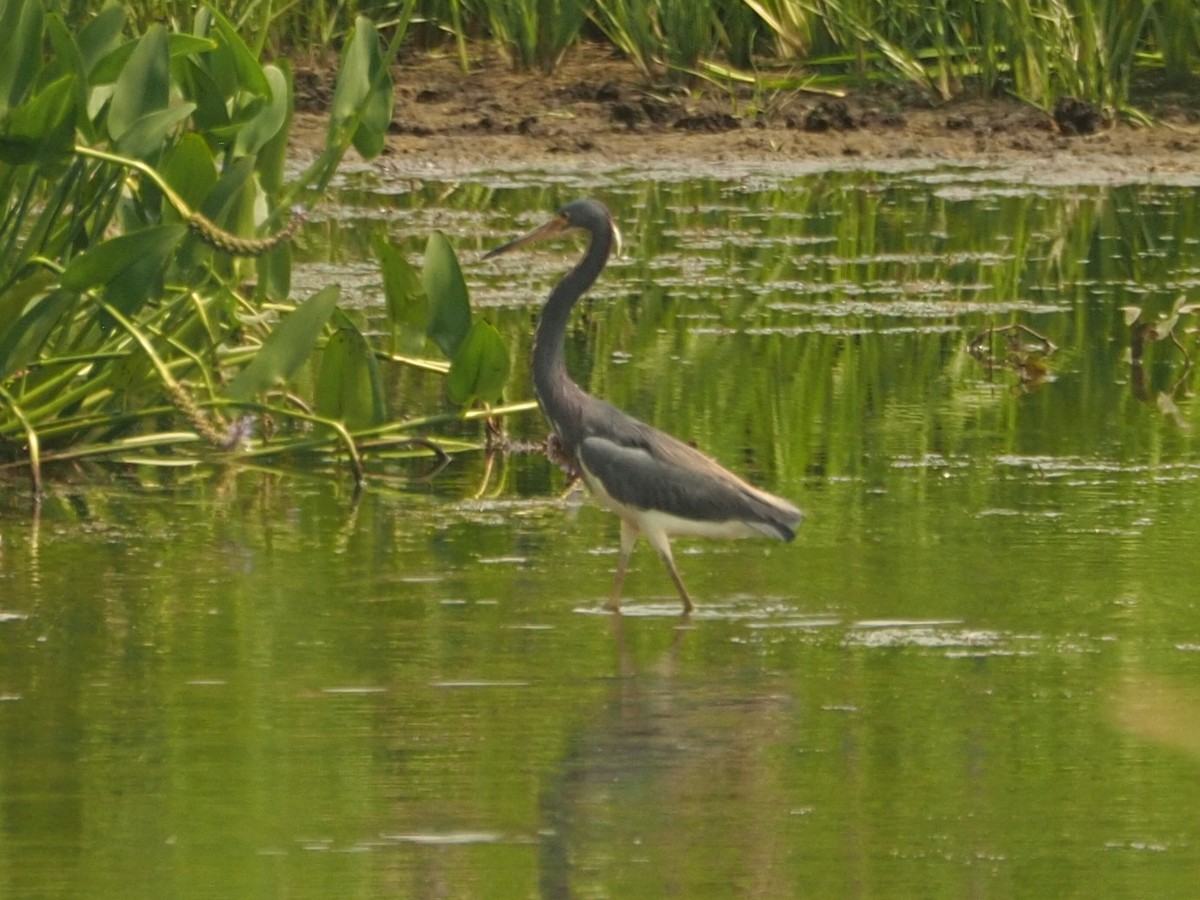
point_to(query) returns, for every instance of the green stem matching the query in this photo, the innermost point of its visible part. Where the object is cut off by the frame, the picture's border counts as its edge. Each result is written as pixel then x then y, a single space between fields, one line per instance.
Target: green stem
pixel 159 439
pixel 31 437
pixel 136 164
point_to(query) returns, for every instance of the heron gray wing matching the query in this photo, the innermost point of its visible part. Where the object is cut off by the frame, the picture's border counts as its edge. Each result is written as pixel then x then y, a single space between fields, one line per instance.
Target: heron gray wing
pixel 648 470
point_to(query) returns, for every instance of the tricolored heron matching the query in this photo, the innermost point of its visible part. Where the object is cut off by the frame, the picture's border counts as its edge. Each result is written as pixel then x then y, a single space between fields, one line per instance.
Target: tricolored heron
pixel 657 485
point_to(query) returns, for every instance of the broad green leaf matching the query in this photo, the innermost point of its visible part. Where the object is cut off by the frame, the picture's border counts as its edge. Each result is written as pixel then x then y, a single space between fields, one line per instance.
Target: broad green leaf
pixel 105 262
pixel 230 203
pixel 286 347
pixel 480 368
pixel 371 135
pixel 349 387
pixel 43 129
pixel 354 75
pixel 198 86
pixel 232 64
pixel 132 379
pixel 274 271
pixel 21 24
pixel 143 87
pixel 189 169
pixel 109 68
pixel 363 98
pixel 271 158
pixel 182 45
pixel 101 35
pixel 225 135
pixel 407 305
pixel 143 278
pixel 20 342
pixel 144 138
pixel 14 300
pixel 449 307
pixel 271 116
pixel 66 59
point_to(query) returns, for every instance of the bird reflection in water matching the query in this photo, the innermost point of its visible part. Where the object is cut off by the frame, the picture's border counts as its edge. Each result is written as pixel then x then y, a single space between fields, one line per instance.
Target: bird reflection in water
pixel 653 753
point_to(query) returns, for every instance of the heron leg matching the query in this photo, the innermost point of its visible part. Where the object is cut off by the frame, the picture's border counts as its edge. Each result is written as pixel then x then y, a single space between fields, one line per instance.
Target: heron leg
pixel 629 536
pixel 662 544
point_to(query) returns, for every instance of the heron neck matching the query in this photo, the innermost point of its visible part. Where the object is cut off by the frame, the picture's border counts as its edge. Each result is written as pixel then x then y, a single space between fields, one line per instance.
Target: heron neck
pixel 551 380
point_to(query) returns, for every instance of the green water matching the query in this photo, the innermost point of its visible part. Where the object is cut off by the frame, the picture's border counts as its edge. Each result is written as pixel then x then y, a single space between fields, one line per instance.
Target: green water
pixel 975 674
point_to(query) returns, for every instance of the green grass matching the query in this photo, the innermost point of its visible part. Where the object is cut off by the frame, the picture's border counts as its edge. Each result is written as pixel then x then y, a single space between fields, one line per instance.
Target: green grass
pixel 1037 49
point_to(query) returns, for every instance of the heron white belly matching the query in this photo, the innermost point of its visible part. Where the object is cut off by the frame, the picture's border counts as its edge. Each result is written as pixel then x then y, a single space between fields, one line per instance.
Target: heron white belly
pixel 653 522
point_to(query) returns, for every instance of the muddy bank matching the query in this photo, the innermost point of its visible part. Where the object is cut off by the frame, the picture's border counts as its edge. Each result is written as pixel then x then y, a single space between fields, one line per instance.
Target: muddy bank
pixel 595 112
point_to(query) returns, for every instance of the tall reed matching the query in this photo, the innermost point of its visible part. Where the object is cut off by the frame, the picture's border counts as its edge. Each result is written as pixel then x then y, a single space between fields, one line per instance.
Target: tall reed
pixel 1036 49
pixel 535 33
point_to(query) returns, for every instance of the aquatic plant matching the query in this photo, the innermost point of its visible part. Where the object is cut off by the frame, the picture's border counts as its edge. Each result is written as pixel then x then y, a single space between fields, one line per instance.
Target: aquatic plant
pixel 146 311
pixel 663 38
pixel 1038 49
pixel 534 33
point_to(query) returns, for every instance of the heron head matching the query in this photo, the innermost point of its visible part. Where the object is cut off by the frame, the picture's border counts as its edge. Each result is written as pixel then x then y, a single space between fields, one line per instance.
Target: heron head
pixel 593 217
pixel 578 215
